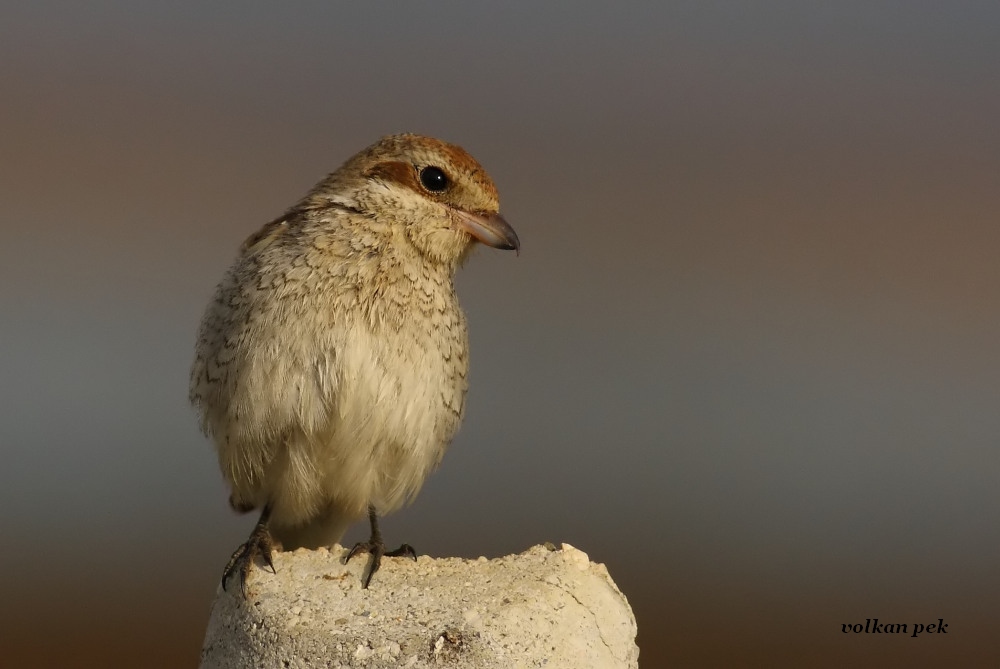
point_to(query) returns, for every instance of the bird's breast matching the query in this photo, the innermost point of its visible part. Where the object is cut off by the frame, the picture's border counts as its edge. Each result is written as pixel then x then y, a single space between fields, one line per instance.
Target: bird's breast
pixel 411 370
pixel 401 389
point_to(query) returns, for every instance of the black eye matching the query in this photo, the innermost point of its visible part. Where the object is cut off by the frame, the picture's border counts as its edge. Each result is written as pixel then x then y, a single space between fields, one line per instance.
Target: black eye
pixel 434 179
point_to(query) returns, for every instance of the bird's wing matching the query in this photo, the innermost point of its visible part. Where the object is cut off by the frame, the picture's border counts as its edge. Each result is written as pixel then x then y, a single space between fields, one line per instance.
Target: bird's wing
pixel 264 237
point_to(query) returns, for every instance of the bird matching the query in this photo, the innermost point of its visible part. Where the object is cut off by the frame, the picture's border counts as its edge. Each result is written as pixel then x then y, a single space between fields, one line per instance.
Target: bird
pixel 331 364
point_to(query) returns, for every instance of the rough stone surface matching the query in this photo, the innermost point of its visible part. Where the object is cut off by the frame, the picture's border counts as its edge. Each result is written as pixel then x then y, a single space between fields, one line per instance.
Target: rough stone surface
pixel 546 607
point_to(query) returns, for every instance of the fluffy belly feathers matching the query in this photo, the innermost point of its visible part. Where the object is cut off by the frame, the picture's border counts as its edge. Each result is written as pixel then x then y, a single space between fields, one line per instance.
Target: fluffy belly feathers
pixel 363 426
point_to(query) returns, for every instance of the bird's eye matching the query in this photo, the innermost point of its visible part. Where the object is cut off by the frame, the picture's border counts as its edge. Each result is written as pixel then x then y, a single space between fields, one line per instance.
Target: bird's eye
pixel 434 179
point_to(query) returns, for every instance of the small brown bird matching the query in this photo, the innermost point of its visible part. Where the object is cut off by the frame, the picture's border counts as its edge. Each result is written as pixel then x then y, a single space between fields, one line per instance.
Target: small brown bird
pixel 331 365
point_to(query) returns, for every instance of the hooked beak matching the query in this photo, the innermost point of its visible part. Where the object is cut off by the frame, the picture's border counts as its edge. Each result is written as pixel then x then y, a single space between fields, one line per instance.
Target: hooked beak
pixel 490 229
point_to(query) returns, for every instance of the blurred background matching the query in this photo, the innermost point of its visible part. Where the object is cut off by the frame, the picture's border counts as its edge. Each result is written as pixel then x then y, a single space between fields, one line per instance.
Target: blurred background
pixel 747 357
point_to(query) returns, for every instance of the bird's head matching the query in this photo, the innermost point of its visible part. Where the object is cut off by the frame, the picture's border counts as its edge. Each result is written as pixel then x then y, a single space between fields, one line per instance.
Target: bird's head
pixel 428 192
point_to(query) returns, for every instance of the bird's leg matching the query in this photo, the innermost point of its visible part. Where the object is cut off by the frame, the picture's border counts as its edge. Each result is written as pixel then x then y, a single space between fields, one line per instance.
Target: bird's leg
pixel 376 547
pixel 259 543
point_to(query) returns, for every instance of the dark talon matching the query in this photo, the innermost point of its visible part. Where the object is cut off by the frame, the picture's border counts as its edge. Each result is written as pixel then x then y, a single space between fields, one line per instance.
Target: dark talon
pixel 259 543
pixel 404 550
pixel 376 547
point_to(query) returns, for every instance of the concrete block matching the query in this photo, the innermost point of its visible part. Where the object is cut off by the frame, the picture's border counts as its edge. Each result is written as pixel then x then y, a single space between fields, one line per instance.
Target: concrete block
pixel 545 607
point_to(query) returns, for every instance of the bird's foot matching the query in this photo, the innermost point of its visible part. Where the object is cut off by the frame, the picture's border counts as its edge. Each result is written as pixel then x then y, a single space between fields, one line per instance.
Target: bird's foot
pixel 259 543
pixel 376 548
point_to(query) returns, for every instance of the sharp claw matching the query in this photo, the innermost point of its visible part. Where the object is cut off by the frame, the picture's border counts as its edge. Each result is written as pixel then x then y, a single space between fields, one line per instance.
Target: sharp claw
pixel 259 543
pixel 269 561
pixel 377 550
pixel 231 565
pixel 360 547
pixel 406 550
pixel 376 547
pixel 367 579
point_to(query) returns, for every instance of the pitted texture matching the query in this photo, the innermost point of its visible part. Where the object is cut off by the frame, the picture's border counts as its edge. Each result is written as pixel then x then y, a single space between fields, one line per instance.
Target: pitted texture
pixel 543 608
